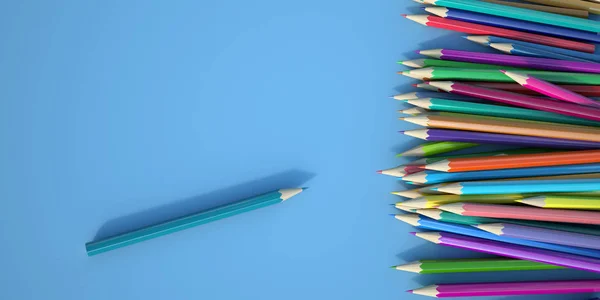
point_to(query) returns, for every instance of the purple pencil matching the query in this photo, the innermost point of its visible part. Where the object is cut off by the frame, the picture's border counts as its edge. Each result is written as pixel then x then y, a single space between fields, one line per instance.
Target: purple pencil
pixel 515 99
pixel 542 235
pixel 512 60
pixel 513 251
pixel 549 89
pixel 439 135
pixel 509 288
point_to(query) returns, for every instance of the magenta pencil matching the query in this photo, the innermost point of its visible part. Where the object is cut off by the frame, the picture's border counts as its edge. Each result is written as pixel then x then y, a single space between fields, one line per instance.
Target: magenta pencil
pixel 515 99
pixel 512 60
pixel 511 250
pixel 549 89
pixel 509 288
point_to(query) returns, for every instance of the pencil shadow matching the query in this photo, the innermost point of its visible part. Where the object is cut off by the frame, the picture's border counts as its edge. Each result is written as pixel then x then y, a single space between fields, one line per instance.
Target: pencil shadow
pixel 159 214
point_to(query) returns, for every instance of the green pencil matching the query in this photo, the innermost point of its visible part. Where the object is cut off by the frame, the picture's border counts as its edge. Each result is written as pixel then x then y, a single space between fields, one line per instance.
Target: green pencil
pixel 444 105
pixel 444 216
pixel 430 160
pixel 431 62
pixel 433 148
pixel 442 73
pixel 189 221
pixel 435 266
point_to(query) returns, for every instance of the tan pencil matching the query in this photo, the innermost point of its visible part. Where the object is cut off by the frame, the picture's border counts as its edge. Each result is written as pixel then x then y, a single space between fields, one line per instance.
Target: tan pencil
pixel 593 8
pixel 507 126
pixel 579 13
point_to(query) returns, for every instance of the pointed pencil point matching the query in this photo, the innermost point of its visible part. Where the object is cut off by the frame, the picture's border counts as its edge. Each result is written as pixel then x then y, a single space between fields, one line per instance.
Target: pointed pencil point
pixel 503 71
pixel 305 188
pixel 409 291
pixel 404 15
pixel 418 51
pixel 402 131
pixel 393 215
pixel 413 233
pixel 380 171
pixel 392 267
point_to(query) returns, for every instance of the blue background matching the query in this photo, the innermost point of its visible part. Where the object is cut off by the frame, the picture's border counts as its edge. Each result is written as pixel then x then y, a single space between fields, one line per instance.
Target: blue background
pixel 118 114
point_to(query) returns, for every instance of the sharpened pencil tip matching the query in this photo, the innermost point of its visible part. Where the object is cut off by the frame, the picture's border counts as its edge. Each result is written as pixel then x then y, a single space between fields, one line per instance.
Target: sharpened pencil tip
pixel 413 233
pixel 392 267
pixel 409 291
pixel 394 205
pixel 393 215
pixel 503 71
pixel 305 188
pixel 404 15
pixel 418 51
pixel 414 85
pixel 380 171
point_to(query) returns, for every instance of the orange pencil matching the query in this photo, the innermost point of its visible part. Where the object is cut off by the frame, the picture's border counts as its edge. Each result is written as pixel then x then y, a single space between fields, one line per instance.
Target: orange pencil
pixel 516 161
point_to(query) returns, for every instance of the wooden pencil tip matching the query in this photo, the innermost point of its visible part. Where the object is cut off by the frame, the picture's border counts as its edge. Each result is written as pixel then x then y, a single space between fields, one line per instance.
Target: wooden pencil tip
pixel 503 71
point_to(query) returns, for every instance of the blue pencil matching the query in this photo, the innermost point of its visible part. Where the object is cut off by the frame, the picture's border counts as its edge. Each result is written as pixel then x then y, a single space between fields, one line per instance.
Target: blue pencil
pixel 190 221
pixel 517 49
pixel 423 222
pixel 487 39
pixel 461 15
pixel 521 186
pixel 427 94
pixel 434 177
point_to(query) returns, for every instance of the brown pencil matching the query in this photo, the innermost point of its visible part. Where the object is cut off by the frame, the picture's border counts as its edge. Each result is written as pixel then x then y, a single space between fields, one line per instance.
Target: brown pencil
pixel 507 126
pixel 593 8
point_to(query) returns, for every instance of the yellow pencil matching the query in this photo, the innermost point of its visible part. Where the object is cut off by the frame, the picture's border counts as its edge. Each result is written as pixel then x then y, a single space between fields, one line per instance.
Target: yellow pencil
pixel 563 202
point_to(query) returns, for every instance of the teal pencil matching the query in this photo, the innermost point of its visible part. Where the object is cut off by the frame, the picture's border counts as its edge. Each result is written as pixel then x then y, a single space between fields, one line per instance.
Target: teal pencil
pixel 189 221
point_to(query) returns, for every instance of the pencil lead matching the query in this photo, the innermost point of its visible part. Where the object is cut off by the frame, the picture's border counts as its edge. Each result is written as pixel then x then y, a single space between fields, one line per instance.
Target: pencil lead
pixel 380 171
pixel 414 85
pixel 393 215
pixel 305 188
pixel 413 233
pixel 392 267
pixel 418 51
pixel 409 291
pixel 404 15
pixel 503 71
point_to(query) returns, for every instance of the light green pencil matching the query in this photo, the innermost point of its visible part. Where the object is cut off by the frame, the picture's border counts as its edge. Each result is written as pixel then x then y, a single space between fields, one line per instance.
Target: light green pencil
pixel 444 105
pixel 442 73
pixel 433 148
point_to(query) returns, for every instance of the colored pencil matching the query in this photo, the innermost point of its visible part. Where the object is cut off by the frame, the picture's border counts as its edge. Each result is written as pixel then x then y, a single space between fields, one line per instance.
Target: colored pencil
pixel 472 28
pixel 438 147
pixel 441 73
pixel 593 8
pixel 516 161
pixel 563 108
pixel 513 61
pixel 522 50
pixel 551 90
pixel 402 170
pixel 542 235
pixel 488 39
pixel 433 201
pixel 523 213
pixel 431 160
pixel 405 208
pixel 507 126
pixel 523 186
pixel 413 111
pixel 509 288
pixel 469 265
pixel 434 177
pixel 520 13
pixel 414 193
pixel 422 222
pixel 561 202
pixel 415 95
pixel 436 104
pixel 466 16
pixel 551 9
pixel 495 138
pixel 444 216
pixel 513 251
pixel 431 62
pixel 586 90
pixel 214 214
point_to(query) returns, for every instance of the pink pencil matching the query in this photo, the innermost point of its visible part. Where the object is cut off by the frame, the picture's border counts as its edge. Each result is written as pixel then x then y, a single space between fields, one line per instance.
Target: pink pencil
pixel 509 288
pixel 549 89
pixel 523 213
pixel 515 99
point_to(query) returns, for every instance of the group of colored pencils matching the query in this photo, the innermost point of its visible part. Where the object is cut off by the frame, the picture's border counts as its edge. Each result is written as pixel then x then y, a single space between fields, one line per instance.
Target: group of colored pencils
pixel 534 203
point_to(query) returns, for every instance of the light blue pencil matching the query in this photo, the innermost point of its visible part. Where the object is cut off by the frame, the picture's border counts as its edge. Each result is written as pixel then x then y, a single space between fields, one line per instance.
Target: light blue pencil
pixel 487 39
pixel 433 177
pixel 521 186
pixel 189 221
pixel 431 224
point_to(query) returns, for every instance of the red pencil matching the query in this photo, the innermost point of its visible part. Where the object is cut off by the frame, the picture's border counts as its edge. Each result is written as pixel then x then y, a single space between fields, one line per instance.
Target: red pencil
pixel 472 28
pixel 586 90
